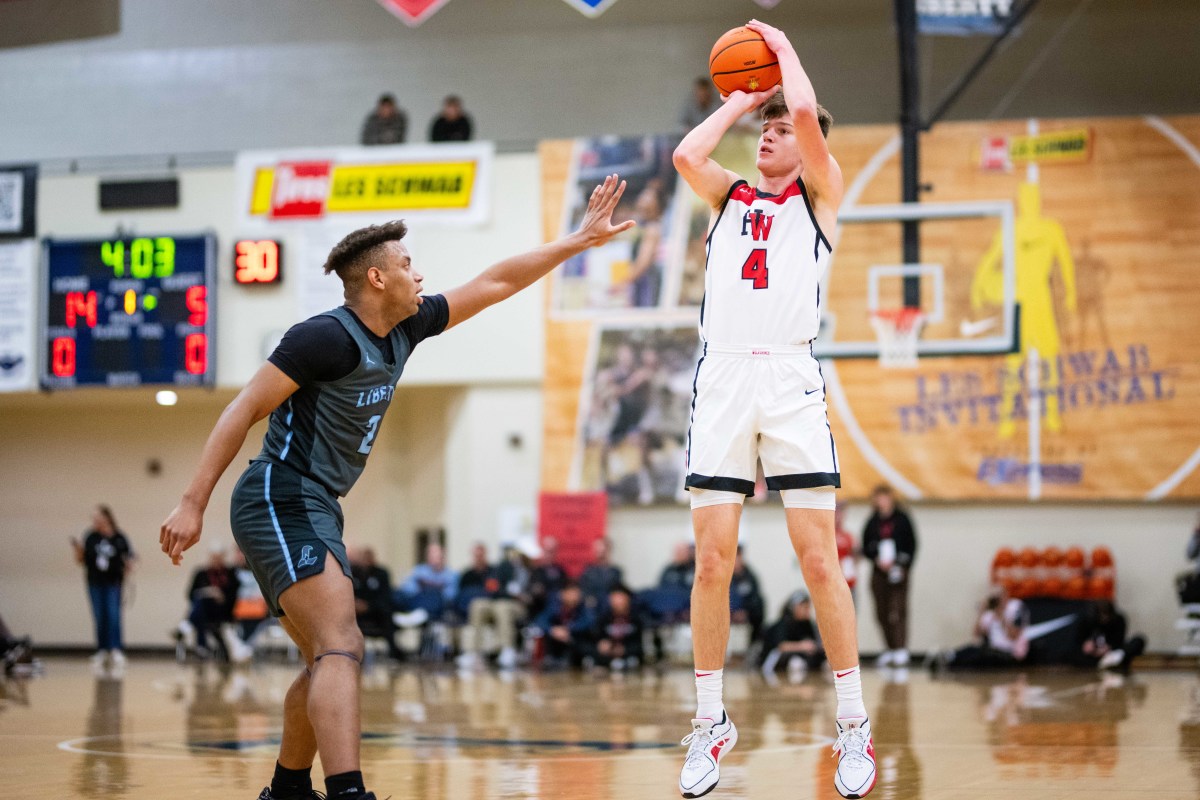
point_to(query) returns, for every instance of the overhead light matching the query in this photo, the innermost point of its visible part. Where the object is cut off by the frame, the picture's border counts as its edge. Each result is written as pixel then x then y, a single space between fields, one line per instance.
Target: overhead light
pixel 166 398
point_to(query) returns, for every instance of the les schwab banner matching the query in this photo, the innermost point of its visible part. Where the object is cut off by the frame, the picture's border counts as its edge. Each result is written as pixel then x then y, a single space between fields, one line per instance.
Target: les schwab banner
pixel 443 183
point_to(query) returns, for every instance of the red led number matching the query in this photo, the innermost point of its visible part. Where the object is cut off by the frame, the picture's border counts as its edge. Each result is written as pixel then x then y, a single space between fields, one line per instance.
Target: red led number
pixel 197 305
pixel 81 304
pixel 62 357
pixel 195 353
pixel 755 268
pixel 257 262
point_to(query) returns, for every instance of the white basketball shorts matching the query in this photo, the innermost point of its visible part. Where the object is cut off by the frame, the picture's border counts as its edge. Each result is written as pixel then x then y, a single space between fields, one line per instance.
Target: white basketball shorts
pixel 755 403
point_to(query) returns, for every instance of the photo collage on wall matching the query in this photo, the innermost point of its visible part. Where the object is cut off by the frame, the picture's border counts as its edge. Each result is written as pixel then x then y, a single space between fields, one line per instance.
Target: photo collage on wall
pixel 642 292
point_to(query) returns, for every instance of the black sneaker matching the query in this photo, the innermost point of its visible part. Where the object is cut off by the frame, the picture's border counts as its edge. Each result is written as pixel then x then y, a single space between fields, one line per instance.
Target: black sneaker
pixel 313 795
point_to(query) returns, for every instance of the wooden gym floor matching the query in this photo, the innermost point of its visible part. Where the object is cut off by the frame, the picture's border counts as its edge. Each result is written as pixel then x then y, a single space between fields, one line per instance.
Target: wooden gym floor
pixel 168 731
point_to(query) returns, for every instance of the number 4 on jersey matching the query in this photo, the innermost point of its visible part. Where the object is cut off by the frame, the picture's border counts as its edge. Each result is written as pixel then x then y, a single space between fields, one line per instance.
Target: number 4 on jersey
pixel 755 268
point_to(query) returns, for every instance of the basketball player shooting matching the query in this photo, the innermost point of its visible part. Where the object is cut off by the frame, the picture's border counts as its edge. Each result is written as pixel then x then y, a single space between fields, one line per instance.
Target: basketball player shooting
pixel 326 388
pixel 759 394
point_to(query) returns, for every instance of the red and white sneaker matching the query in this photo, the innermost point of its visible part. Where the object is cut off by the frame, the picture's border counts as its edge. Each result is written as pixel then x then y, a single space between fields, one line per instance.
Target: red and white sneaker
pixel 707 744
pixel 855 776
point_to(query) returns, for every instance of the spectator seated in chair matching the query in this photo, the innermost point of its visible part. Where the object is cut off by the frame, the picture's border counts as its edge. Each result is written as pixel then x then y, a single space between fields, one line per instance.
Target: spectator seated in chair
pixel 501 603
pixel 792 642
pixel 566 628
pixel 618 631
pixel 601 575
pixel 430 588
pixel 212 596
pixel 373 600
pixel 547 577
pixel 250 611
pixel 746 604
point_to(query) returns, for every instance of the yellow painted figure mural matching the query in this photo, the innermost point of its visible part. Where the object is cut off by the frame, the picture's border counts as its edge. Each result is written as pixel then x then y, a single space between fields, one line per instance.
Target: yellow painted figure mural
pixel 1041 246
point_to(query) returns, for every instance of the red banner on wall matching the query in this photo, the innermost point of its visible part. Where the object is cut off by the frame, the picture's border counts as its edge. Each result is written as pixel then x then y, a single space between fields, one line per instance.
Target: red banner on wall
pixel 575 520
pixel 413 12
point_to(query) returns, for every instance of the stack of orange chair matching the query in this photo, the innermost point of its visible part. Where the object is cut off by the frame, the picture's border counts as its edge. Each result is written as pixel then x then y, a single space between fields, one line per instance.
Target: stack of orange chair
pixel 1055 572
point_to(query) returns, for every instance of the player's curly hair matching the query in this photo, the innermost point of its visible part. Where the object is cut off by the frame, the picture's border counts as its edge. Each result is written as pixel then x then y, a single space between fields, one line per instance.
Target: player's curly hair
pixel 360 250
pixel 776 107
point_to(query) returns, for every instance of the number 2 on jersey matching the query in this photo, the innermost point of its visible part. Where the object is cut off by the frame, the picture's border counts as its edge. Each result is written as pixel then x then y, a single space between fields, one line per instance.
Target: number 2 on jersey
pixel 755 268
pixel 369 439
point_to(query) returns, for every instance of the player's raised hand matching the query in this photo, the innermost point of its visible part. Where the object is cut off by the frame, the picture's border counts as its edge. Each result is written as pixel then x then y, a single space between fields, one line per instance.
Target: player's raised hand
pixel 180 531
pixel 748 101
pixel 596 226
pixel 773 37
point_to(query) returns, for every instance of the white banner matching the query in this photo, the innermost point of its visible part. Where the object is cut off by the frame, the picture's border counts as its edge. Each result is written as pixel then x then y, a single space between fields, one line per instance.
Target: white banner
pixel 350 187
pixel 18 315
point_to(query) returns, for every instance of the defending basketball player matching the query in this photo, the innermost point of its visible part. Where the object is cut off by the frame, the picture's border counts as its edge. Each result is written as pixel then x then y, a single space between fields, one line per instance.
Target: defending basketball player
pixel 327 387
pixel 759 394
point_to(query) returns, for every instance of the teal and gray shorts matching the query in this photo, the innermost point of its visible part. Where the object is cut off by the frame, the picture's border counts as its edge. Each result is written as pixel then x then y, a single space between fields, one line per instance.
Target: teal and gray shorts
pixel 286 524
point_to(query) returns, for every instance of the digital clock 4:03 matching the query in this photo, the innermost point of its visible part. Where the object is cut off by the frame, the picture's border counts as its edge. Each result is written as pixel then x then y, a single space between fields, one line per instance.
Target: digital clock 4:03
pixel 128 311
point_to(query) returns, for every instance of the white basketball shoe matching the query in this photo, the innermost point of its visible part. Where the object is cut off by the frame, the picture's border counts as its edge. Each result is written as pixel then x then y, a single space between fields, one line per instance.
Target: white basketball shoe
pixel 707 744
pixel 855 776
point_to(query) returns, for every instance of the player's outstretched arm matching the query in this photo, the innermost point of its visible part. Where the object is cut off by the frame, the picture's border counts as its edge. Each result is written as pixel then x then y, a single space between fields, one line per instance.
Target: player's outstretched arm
pixel 263 394
pixel 503 280
pixel 822 175
pixel 693 157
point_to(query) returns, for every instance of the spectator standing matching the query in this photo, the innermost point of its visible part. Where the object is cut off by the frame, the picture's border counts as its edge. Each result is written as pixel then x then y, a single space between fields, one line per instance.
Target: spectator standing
pixel 452 124
pixel 847 552
pixel 386 124
pixel 700 105
pixel 107 558
pixel 792 641
pixel 890 541
pixel 601 576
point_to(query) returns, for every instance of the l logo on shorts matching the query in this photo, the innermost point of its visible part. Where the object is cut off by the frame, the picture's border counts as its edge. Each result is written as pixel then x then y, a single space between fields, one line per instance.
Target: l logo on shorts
pixel 307 559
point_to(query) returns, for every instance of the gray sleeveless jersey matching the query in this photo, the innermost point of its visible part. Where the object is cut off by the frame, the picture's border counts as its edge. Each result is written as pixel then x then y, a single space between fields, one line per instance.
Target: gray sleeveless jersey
pixel 327 432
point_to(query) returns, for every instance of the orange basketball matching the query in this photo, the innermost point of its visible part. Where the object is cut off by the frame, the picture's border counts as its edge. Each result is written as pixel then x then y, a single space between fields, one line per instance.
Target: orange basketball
pixel 1075 589
pixel 1102 557
pixel 1053 557
pixel 741 60
pixel 1028 557
pixel 1075 557
pixel 1004 558
pixel 1053 587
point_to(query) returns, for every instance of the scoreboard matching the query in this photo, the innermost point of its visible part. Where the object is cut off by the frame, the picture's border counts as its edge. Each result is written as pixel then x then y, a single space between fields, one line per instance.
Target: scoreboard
pixel 128 311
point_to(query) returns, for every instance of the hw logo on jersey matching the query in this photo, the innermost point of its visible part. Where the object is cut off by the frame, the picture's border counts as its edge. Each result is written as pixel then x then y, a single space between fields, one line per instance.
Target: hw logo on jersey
pixel 758 225
pixel 307 559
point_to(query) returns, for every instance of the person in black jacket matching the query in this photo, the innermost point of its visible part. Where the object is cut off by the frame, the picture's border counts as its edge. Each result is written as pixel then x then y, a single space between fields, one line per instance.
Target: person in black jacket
pixel 452 124
pixel 793 641
pixel 890 542
pixel 1103 643
pixel 373 600
pixel 619 630
pixel 212 593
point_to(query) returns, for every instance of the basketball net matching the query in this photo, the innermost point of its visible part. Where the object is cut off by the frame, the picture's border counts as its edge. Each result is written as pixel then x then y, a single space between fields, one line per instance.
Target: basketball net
pixel 897 330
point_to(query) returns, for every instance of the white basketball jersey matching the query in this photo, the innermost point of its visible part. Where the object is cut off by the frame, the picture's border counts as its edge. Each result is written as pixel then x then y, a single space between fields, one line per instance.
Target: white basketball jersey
pixel 762 282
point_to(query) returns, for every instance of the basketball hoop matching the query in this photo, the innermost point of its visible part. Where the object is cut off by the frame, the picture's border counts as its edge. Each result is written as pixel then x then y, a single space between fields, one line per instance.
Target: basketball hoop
pixel 897 330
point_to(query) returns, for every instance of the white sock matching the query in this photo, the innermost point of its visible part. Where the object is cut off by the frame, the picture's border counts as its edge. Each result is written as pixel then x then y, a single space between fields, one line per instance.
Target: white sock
pixel 709 687
pixel 848 684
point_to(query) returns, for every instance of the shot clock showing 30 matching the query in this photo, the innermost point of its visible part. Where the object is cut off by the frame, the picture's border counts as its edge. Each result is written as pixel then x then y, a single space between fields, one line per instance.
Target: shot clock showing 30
pixel 128 311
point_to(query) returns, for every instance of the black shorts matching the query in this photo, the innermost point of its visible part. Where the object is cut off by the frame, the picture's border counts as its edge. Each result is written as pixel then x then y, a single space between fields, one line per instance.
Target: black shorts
pixel 285 525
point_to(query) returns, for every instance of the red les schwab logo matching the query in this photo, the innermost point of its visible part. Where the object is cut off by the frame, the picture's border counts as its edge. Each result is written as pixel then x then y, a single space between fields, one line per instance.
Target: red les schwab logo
pixel 300 189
